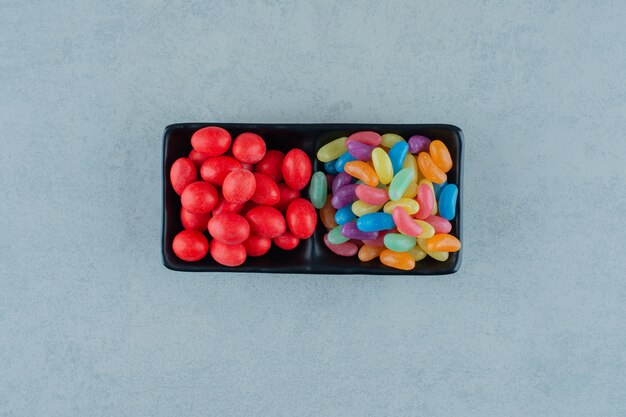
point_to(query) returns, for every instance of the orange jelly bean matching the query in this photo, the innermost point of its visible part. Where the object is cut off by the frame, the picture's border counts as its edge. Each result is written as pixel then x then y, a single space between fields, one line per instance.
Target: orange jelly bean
pixel 398 260
pixel 367 253
pixel 363 171
pixel 443 243
pixel 327 214
pixel 440 155
pixel 429 169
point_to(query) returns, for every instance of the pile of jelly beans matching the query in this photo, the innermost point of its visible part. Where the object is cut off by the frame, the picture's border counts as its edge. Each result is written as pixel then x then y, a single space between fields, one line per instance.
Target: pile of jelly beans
pixel 389 198
pixel 245 199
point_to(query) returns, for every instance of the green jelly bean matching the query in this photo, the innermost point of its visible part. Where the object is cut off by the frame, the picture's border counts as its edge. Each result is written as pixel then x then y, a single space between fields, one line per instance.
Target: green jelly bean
pixel 398 242
pixel 400 183
pixel 336 237
pixel 318 190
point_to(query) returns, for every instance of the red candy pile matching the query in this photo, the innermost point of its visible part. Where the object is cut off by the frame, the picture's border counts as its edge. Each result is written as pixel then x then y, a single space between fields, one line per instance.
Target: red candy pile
pixel 245 199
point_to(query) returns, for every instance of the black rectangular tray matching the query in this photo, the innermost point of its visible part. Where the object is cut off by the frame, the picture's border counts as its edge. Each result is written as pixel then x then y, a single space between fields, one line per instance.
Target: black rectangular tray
pixel 311 256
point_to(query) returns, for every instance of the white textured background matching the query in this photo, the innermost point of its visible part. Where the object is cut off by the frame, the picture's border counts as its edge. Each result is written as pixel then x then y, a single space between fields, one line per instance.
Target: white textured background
pixel 91 323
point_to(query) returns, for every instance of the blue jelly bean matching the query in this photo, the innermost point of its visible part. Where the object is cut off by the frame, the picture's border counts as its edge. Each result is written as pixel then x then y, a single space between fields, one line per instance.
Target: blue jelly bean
pixel 438 188
pixel 397 153
pixel 344 214
pixel 343 160
pixel 331 168
pixel 447 201
pixel 375 222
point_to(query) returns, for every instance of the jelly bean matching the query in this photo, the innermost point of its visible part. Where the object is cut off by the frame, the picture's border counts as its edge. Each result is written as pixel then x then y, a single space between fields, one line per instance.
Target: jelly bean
pixel 408 204
pixel 405 223
pixel 331 167
pixel 249 148
pixel 447 201
pixel 286 241
pixel 230 228
pixel 382 165
pixel 327 215
pixel 440 256
pixel 440 224
pixel 340 180
pixel 212 140
pixel 397 154
pixel 411 191
pixel 429 169
pixel 443 243
pixel 440 155
pixel 389 139
pixel 344 215
pixel 239 186
pixel 398 242
pixel 336 237
pixel 343 249
pixel 362 171
pixel 360 150
pixel 372 195
pixel 344 195
pixel 400 183
pixel 417 253
pixel 182 173
pixel 286 196
pixel 411 162
pixel 199 197
pixel 367 137
pixel 228 255
pixel 398 260
pixel 194 221
pixel 224 206
pixel 329 180
pixel 368 253
pixel 375 222
pixel 332 150
pixel 198 158
pixel 266 192
pixel 379 242
pixel 361 208
pixel 418 143
pixel 428 230
pixel 190 245
pixel 216 168
pixel 350 231
pixel 343 160
pixel 431 185
pixel 296 169
pixel 257 245
pixel 266 221
pixel 271 165
pixel 301 218
pixel 318 190
pixel 426 199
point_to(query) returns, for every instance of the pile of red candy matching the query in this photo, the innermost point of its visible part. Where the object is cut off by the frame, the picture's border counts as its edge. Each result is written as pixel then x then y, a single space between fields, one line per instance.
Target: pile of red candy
pixel 246 198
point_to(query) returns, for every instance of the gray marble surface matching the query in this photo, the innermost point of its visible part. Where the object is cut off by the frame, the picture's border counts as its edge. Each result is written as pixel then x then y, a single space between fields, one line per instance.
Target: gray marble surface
pixel 91 323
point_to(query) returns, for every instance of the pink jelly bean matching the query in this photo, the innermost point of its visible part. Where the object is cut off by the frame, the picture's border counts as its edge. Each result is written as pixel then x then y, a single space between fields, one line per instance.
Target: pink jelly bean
pixel 426 200
pixel 367 137
pixel 418 143
pixel 372 195
pixel 440 224
pixel 350 231
pixel 360 151
pixel 379 242
pixel 344 196
pixel 341 179
pixel 342 249
pixel 405 223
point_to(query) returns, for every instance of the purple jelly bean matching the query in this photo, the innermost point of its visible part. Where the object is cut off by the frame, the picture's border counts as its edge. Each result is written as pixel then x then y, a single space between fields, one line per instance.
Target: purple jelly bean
pixel 340 180
pixel 418 143
pixel 350 230
pixel 344 196
pixel 360 151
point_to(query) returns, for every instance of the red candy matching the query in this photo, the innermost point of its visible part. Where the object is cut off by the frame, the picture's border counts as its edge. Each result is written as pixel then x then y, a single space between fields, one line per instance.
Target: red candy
pixel 194 221
pixel 286 196
pixel 211 140
pixel 190 245
pixel 199 197
pixel 182 173
pixel 230 228
pixel 296 169
pixel 301 218
pixel 198 158
pixel 228 255
pixel 286 241
pixel 257 245
pixel 215 169
pixel 266 221
pixel 249 148
pixel 271 165
pixel 224 206
pixel 266 192
pixel 238 186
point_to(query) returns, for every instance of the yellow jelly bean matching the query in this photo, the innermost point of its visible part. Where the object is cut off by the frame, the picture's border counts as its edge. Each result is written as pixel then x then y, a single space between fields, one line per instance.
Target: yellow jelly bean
pixel 440 256
pixel 411 162
pixel 362 171
pixel 360 208
pixel 382 165
pixel 332 150
pixel 430 184
pixel 367 252
pixel 427 229
pixel 411 191
pixel 398 260
pixel 417 253
pixel 389 139
pixel 408 204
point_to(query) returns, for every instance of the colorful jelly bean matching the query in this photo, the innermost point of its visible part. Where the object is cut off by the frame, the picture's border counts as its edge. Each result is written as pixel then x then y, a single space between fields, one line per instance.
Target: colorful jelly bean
pixel 367 137
pixel 327 214
pixel 408 204
pixel 411 162
pixel 447 201
pixel 397 153
pixel 429 169
pixel 344 196
pixel 398 260
pixel 343 160
pixel 336 237
pixel 375 222
pixel 426 199
pixel 405 223
pixel 427 230
pixel 438 187
pixel 361 208
pixel 368 253
pixel 439 256
pixel 411 191
pixel 418 143
pixel 318 190
pixel 379 242
pixel 360 151
pixel 438 223
pixel 331 167
pixel 332 150
pixel 343 249
pixel 372 195
pixel 417 253
pixel 440 155
pixel 382 165
pixel 351 231
pixel 362 171
pixel 340 180
pixel 432 187
pixel 389 139
pixel 443 243
pixel 400 183
pixel 344 215
pixel 398 242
